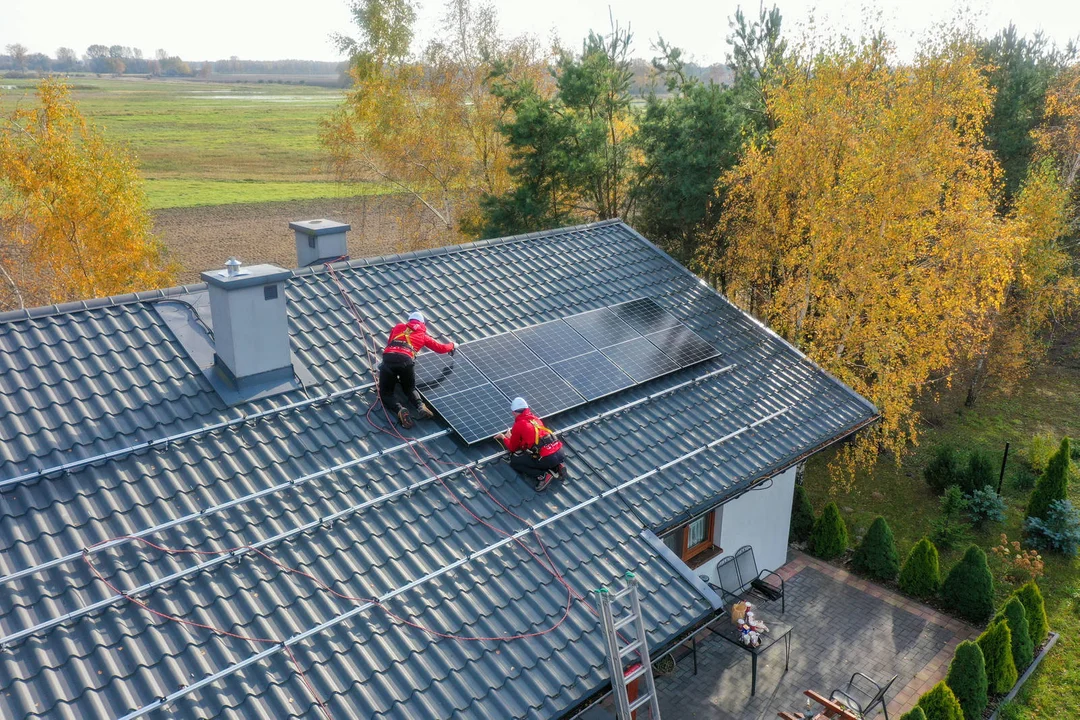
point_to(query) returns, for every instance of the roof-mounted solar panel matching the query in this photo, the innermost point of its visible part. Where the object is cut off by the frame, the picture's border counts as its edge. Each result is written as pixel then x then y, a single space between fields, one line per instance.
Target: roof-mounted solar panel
pixel 556 365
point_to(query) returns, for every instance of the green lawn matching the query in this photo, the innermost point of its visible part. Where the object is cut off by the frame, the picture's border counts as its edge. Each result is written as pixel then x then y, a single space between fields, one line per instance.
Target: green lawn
pixel 202 143
pixel 1048 401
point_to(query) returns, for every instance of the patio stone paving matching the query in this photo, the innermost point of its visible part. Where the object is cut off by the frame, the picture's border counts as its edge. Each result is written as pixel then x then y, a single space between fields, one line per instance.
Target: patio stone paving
pixel 842 624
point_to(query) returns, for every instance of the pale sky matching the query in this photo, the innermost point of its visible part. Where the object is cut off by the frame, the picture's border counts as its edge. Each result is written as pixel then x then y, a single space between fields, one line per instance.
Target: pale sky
pixel 272 29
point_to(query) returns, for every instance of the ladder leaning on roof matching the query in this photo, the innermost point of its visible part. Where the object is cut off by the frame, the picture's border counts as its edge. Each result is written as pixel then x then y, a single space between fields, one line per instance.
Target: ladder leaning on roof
pixel 618 653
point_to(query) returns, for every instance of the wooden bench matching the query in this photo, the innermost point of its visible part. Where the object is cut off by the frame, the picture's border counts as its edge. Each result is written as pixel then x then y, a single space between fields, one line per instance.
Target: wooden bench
pixel 831 710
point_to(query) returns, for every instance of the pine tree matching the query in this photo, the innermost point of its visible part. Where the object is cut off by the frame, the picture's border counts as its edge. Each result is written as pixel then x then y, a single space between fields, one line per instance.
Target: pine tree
pixel 969 588
pixel 1022 648
pixel 876 556
pixel 830 537
pixel 915 713
pixel 996 645
pixel 1054 483
pixel 967 679
pixel 921 574
pixel 939 703
pixel 802 515
pixel 1032 599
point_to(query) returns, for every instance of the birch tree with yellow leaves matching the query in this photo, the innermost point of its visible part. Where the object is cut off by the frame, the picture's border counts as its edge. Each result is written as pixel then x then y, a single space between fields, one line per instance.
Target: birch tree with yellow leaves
pixel 73 214
pixel 428 123
pixel 863 229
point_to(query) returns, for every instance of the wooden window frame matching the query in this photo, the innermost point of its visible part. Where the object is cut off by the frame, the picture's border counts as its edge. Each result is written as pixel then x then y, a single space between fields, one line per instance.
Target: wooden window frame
pixel 689 553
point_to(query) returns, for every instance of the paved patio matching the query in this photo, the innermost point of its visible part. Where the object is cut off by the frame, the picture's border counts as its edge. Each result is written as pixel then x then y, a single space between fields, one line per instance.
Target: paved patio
pixel 842 624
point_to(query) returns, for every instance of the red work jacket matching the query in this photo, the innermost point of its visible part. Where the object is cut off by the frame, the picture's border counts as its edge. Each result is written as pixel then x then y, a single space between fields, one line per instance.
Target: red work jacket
pixel 528 432
pixel 411 337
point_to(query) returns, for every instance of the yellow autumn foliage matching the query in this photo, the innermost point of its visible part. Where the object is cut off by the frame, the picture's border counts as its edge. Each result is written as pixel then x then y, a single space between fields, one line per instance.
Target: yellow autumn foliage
pixel 73 213
pixel 863 228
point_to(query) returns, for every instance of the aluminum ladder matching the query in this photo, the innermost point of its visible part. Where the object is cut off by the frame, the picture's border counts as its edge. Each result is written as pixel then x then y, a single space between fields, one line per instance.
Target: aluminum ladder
pixel 628 661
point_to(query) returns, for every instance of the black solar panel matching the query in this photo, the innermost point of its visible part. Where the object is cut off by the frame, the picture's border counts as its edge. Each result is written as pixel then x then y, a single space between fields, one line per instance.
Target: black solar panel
pixel 645 316
pixel 602 327
pixel 501 356
pixel 640 359
pixel 477 413
pixel 441 374
pixel 546 392
pixel 554 341
pixel 593 375
pixel 555 365
pixel 682 345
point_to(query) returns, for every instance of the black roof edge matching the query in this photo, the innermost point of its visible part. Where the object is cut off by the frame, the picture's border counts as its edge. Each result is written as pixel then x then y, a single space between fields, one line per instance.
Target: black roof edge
pixel 873 408
pixel 45 311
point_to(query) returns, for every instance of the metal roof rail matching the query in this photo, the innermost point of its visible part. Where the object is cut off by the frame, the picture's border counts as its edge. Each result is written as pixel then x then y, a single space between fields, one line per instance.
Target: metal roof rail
pixel 236 667
pixel 165 441
pixel 18 635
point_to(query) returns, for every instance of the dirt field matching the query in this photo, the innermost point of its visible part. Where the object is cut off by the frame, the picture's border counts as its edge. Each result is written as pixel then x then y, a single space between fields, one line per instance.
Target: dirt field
pixel 202 238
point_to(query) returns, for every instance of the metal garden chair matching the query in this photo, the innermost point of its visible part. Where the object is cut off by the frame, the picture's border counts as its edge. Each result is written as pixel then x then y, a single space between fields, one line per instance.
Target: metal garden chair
pixel 863 696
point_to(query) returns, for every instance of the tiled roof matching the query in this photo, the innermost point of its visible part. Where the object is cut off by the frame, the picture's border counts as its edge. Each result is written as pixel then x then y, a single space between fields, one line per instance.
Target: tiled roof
pixel 309 485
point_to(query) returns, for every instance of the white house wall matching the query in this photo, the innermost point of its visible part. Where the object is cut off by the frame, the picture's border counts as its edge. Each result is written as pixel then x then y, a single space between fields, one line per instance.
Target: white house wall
pixel 760 519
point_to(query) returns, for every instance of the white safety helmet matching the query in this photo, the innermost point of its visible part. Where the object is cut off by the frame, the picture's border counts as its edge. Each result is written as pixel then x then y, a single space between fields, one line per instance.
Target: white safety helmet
pixel 518 404
pixel 416 315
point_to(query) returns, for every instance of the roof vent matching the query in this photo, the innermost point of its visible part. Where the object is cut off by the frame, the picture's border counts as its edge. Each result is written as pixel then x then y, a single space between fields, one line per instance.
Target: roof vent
pixel 319 241
pixel 252 354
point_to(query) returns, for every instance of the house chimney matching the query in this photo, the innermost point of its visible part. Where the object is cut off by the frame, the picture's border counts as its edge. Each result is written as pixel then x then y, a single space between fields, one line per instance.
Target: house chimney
pixel 251 329
pixel 320 241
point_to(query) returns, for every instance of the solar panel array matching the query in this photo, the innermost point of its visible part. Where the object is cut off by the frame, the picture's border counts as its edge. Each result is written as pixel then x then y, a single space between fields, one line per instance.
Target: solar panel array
pixel 556 365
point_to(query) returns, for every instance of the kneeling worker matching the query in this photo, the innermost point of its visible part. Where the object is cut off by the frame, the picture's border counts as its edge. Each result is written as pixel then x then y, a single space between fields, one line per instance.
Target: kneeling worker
pixel 398 366
pixel 535 451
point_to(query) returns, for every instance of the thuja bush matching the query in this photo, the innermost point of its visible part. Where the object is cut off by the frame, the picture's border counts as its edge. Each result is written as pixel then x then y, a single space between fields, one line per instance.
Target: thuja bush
pixel 967 679
pixel 943 469
pixel 1023 650
pixel 876 556
pixel 921 574
pixel 939 703
pixel 829 538
pixel 802 515
pixel 915 713
pixel 969 588
pixel 996 646
pixel 1032 598
pixel 979 472
pixel 1053 485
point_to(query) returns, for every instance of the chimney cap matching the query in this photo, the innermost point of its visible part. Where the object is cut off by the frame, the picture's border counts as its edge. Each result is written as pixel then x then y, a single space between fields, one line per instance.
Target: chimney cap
pixel 250 276
pixel 232 267
pixel 314 228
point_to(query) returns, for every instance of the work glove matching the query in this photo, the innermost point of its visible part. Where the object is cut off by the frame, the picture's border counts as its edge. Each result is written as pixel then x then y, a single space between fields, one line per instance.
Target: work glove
pixel 453 350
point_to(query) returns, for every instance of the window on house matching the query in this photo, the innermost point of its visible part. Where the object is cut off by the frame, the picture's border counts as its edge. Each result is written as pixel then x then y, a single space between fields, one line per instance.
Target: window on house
pixel 698 536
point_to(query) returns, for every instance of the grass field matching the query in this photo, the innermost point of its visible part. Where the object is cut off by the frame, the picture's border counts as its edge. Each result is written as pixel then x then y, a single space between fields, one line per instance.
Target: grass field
pixel 1048 401
pixel 201 143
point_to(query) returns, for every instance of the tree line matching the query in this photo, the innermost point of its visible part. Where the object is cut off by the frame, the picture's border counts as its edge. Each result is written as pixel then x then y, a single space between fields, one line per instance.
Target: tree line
pixel 910 224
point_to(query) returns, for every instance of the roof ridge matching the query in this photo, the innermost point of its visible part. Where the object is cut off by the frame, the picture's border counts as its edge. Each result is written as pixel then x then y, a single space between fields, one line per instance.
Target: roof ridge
pixel 44 311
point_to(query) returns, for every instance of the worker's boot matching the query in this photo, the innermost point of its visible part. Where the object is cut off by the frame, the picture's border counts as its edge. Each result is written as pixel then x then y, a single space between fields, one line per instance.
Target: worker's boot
pixel 561 470
pixel 423 411
pixel 544 480
pixel 403 418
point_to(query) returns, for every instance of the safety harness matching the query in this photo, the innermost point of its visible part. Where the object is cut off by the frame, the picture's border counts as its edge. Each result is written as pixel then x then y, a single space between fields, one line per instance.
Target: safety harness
pixel 402 340
pixel 544 437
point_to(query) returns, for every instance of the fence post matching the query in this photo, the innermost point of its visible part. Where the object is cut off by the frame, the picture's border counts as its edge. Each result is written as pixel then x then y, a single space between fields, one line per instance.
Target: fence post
pixel 1004 459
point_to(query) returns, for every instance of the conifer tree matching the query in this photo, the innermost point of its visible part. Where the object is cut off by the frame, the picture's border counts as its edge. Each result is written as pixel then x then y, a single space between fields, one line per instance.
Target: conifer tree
pixel 939 703
pixel 921 574
pixel 967 679
pixel 996 645
pixel 876 556
pixel 1015 615
pixel 802 515
pixel 1054 483
pixel 1032 599
pixel 969 588
pixel 830 537
pixel 915 713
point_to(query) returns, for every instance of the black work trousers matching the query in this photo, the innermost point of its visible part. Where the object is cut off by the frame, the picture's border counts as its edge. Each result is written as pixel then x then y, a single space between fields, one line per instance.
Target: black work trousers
pixel 397 369
pixel 526 464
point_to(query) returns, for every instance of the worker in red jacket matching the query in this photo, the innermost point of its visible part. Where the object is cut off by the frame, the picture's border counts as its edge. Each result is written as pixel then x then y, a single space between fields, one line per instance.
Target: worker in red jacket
pixel 398 366
pixel 534 449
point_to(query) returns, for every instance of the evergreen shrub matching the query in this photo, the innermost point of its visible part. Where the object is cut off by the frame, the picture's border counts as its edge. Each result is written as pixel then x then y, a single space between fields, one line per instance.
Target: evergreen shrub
pixel 1053 484
pixel 968 590
pixel 1014 614
pixel 802 515
pixel 1038 627
pixel 967 679
pixel 939 703
pixel 996 646
pixel 921 574
pixel 829 538
pixel 942 470
pixel 876 556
